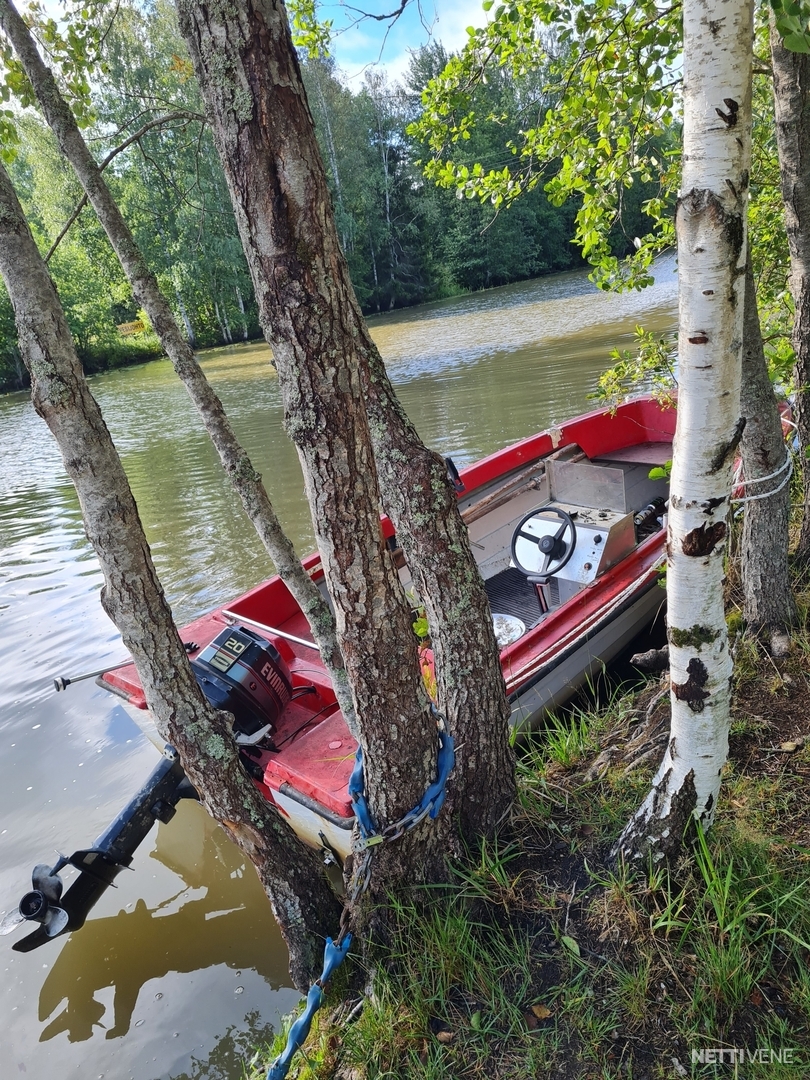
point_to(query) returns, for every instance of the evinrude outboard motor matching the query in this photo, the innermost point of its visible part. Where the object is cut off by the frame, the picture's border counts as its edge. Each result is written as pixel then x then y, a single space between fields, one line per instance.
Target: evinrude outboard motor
pixel 244 674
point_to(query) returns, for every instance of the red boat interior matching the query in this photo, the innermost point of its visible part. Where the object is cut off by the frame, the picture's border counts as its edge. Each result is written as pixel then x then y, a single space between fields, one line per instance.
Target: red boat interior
pixel 597 464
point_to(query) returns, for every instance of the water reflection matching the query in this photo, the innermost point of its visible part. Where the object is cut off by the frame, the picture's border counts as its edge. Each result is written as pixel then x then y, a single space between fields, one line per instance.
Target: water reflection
pixel 218 915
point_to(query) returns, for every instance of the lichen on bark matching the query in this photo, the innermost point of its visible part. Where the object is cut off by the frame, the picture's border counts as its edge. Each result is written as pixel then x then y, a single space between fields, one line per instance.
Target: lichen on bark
pixel 694 637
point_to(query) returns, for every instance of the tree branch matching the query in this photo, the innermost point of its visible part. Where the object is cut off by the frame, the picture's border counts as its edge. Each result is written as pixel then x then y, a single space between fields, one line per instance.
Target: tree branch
pixel 178 114
pixel 392 15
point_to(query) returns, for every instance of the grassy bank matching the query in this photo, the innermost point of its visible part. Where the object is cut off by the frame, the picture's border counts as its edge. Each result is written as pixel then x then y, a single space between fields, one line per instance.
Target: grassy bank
pixel 94 359
pixel 543 960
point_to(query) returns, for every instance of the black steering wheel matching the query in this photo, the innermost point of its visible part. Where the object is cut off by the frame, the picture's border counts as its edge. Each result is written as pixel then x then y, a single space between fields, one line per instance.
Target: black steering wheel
pixel 555 549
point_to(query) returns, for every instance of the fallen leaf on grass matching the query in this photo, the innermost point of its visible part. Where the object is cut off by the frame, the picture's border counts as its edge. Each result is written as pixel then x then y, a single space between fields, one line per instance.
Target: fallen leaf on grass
pixel 789 747
pixel 542 1012
pixel 570 944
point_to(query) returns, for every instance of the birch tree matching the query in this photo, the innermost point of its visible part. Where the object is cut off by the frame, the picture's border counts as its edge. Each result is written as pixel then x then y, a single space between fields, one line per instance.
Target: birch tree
pixel 711 229
pixel 605 128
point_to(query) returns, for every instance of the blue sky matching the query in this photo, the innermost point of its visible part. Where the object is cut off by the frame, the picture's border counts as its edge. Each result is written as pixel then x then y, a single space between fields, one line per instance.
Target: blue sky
pixel 355 47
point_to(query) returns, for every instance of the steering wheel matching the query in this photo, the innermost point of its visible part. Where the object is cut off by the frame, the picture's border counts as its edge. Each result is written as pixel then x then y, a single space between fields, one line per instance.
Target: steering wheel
pixel 556 551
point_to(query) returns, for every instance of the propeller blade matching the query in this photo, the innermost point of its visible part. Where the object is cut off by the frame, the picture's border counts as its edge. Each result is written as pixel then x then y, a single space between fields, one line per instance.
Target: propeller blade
pixel 11 921
pixel 55 921
pixel 47 881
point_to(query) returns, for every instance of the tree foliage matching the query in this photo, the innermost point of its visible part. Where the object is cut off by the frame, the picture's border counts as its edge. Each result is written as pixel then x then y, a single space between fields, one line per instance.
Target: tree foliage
pixel 405 240
pixel 792 20
pixel 593 122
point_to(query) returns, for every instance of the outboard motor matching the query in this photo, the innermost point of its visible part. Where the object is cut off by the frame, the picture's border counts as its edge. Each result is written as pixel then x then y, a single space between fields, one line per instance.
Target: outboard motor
pixel 244 674
pixel 48 912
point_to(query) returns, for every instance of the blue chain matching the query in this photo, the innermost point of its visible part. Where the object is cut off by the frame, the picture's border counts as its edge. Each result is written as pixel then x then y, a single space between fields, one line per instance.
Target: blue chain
pixel 333 957
pixel 429 805
pixel 335 951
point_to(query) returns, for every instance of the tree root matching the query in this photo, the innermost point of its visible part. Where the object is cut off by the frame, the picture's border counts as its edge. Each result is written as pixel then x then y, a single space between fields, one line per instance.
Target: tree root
pixel 629 747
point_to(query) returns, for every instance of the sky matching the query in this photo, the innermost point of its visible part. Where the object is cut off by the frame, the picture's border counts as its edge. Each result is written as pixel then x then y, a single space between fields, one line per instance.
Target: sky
pixel 358 43
pixel 355 47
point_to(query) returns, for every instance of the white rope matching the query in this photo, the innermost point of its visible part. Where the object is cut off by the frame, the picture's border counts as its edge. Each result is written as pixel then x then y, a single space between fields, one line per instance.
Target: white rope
pixel 786 464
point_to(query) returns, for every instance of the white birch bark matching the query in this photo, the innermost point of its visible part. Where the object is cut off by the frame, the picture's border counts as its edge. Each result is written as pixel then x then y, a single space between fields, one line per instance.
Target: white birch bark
pixel 242 313
pixel 192 339
pixel 711 229
pixel 228 334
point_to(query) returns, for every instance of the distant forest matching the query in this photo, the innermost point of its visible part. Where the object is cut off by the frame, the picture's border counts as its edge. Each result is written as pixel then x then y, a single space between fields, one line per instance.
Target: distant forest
pixel 406 241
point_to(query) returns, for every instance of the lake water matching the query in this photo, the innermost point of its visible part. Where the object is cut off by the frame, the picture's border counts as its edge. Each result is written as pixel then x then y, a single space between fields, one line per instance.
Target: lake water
pixel 180 972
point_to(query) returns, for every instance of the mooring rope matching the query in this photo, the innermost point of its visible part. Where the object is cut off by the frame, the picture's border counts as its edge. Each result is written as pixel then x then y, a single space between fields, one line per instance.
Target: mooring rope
pixel 787 464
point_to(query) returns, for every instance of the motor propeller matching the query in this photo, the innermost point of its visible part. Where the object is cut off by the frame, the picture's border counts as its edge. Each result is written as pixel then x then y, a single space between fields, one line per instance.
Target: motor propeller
pixel 41 905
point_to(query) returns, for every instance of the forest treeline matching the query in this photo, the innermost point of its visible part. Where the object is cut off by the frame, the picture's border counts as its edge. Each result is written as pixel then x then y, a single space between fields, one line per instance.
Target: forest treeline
pixel 406 240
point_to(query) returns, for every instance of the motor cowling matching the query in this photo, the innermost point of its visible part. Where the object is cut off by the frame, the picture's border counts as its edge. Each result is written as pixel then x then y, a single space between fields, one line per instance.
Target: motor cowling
pixel 244 674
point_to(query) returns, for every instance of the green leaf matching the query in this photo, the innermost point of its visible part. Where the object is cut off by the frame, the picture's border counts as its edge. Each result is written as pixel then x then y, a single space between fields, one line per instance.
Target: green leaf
pixel 798 43
pixel 570 944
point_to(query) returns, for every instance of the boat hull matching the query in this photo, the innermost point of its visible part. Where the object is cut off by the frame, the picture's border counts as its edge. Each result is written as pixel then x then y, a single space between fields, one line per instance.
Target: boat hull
pixel 562 676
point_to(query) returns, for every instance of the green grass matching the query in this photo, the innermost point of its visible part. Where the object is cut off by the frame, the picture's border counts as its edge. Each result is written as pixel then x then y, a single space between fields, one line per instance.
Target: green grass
pixel 650 968
pixel 543 959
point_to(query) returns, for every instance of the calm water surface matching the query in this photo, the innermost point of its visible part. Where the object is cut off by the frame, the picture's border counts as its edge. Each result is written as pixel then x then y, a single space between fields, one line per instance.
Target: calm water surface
pixel 180 971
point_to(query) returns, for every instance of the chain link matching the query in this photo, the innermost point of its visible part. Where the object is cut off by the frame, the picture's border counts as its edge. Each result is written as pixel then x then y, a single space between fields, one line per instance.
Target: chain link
pixel 364 844
pixel 363 848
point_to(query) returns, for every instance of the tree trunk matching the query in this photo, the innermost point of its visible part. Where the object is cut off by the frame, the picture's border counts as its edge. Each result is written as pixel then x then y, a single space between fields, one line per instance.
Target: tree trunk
pixel 768 597
pixel 143 282
pixel 218 317
pixel 265 137
pixel 228 334
pixel 302 901
pixel 711 229
pixel 791 95
pixel 242 312
pixel 436 543
pixel 192 339
pixel 330 141
pixel 249 75
pixel 374 271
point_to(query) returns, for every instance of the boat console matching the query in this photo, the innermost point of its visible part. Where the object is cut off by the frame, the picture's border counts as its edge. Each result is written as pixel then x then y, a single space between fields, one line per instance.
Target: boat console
pixel 583 523
pixel 600 539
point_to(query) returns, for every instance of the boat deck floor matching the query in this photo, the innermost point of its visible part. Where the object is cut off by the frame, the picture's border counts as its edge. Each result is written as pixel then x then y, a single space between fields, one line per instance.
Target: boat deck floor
pixel 509 593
